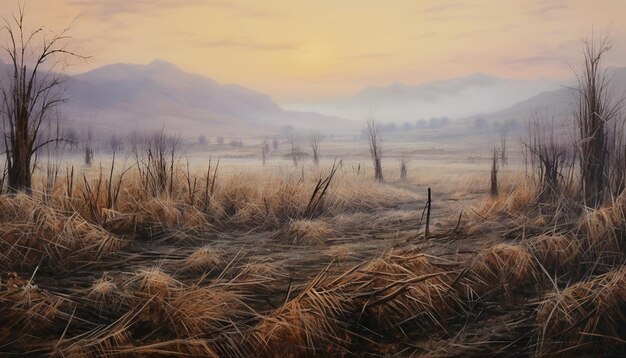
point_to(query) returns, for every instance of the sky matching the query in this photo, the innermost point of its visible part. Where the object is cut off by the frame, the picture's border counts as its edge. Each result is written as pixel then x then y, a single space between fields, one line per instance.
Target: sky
pixel 298 50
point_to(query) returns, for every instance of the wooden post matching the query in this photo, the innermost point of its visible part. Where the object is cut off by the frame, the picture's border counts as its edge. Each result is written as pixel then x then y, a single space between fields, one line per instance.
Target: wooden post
pixel 427 231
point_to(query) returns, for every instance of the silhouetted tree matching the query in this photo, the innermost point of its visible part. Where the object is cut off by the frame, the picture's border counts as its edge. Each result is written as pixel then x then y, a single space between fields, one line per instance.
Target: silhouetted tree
pixel 596 107
pixel 31 94
pixel 315 147
pixel 376 151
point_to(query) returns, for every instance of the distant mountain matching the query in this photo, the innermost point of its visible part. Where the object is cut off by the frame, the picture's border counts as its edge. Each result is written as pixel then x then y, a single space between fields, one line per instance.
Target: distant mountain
pixel 124 97
pixel 455 98
pixel 557 103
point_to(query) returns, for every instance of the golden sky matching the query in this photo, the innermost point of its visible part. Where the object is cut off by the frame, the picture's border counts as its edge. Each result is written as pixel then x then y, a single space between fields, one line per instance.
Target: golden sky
pixel 298 50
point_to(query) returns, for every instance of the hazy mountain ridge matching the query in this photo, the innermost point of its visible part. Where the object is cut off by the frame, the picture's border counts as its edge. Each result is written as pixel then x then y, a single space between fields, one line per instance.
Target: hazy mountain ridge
pixel 126 97
pixel 162 95
pixel 455 98
pixel 558 103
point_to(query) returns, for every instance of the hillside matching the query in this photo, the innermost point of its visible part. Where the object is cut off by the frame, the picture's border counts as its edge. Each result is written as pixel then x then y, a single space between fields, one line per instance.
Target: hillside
pixel 126 97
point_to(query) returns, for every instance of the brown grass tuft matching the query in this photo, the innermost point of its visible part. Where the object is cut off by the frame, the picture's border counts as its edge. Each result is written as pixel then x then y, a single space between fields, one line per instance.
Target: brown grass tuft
pixel 559 254
pixel 306 326
pixel 48 238
pixel 29 314
pixel 305 232
pixel 502 268
pixel 206 258
pixel 588 316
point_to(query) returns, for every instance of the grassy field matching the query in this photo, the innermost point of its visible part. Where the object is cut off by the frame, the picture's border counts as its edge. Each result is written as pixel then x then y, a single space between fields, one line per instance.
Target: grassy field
pixel 194 258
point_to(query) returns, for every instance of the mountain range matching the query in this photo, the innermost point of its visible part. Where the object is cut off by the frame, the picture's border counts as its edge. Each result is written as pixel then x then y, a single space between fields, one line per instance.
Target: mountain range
pixel 478 93
pixel 558 103
pixel 160 94
pixel 120 98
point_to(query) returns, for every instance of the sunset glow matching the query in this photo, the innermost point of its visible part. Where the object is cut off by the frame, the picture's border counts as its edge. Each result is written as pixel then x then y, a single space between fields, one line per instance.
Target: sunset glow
pixel 328 49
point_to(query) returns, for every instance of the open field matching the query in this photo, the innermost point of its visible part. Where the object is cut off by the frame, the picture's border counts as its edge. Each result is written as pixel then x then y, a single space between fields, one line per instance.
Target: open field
pixel 240 259
pixel 316 179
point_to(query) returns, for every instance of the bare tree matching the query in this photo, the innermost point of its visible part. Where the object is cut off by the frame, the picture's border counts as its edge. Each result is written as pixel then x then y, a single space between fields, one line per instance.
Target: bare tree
pixel 115 143
pixel 31 94
pixel 315 146
pixel 88 147
pixel 596 107
pixel 403 167
pixel 295 153
pixel 275 144
pixel 551 163
pixel 493 191
pixel 503 136
pixel 375 142
pixel 265 150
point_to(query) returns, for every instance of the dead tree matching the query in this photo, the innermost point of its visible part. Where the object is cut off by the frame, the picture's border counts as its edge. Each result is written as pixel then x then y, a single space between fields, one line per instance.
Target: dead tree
pixel 315 147
pixel 88 148
pixel 31 94
pixel 549 163
pixel 375 143
pixel 493 191
pixel 596 107
pixel 403 168
pixel 503 136
pixel 295 153
pixel 265 150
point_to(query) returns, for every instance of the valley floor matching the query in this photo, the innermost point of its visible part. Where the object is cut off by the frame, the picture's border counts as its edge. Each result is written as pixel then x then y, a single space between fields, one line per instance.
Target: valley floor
pixel 269 262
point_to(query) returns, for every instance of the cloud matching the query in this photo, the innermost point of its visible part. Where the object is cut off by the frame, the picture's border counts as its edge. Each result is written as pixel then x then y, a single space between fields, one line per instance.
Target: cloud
pixel 246 43
pixel 445 6
pixel 534 61
pixel 366 56
pixel 109 8
pixel 106 9
pixel 484 32
pixel 544 8
pixel 425 35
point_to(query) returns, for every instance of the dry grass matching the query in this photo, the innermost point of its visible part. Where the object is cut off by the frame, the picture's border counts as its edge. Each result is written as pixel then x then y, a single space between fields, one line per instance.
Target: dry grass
pixel 587 317
pixel 305 232
pixel 308 325
pixel 558 254
pixel 502 269
pixel 205 258
pixel 249 270
pixel 32 234
pixel 402 292
pixel 30 315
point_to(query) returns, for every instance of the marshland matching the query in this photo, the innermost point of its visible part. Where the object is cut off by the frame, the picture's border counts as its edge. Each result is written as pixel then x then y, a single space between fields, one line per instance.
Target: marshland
pixel 148 211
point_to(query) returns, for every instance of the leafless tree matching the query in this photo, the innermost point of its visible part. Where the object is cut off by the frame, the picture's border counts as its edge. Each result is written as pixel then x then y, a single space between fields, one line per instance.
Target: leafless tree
pixel 551 161
pixel 493 191
pixel 375 143
pixel 265 150
pixel 275 144
pixel 596 108
pixel 295 153
pixel 503 138
pixel 115 143
pixel 315 146
pixel 403 167
pixel 88 148
pixel 31 94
